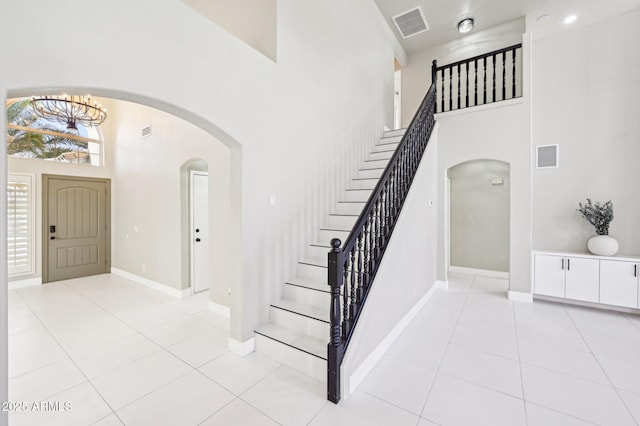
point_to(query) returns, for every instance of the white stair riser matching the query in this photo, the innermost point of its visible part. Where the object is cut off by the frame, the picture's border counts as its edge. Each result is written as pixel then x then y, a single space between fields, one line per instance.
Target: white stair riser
pixel 300 324
pixel 298 360
pixel 313 273
pixel 386 146
pixel 383 155
pixel 305 295
pixel 325 236
pixel 348 208
pixel 342 222
pixel 363 183
pixel 356 195
pixel 316 254
pixel 375 164
pixel 397 132
pixel 362 174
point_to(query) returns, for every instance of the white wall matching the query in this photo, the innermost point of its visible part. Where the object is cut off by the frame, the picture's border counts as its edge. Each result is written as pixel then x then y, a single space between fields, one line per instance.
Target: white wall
pixel 479 215
pixel 303 122
pixel 252 21
pixel 408 269
pixel 586 98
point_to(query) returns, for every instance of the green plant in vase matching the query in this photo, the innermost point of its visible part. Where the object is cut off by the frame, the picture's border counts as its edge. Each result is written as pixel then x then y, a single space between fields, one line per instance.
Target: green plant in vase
pixel 600 216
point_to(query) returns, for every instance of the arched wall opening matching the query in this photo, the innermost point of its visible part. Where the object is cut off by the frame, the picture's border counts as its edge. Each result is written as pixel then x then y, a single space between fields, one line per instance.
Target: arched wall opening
pixel 479 216
pixel 226 171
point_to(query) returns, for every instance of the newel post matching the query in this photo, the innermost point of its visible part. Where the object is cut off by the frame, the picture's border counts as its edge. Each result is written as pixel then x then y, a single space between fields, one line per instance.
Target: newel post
pixel 434 82
pixel 335 347
pixel 434 71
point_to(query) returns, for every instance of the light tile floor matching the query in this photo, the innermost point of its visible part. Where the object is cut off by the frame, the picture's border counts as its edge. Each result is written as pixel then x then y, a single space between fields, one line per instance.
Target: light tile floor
pixel 123 354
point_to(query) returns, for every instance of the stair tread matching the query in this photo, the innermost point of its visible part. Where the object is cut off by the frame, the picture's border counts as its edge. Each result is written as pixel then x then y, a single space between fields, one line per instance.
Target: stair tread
pixel 306 283
pixel 303 342
pixel 315 312
pixel 312 262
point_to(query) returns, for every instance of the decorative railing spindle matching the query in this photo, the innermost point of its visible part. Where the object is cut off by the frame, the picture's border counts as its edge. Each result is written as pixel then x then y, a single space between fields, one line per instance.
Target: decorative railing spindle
pixel 504 75
pixel 353 264
pixel 491 67
pixel 475 90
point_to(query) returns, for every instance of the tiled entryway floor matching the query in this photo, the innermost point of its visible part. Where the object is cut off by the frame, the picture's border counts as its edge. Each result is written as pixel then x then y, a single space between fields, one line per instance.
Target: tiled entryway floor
pixel 123 354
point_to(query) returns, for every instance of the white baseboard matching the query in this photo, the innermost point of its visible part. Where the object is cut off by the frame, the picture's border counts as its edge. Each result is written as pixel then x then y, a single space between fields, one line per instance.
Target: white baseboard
pixel 481 272
pixel 242 348
pixel 376 355
pixel 519 296
pixel 173 292
pixel 29 282
pixel 219 309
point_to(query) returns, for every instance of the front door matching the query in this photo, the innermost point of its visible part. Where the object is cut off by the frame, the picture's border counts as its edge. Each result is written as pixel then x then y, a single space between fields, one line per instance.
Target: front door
pixel 76 227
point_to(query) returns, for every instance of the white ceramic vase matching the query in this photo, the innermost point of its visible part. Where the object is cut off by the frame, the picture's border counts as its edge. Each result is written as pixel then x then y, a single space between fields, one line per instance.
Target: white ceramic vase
pixel 602 245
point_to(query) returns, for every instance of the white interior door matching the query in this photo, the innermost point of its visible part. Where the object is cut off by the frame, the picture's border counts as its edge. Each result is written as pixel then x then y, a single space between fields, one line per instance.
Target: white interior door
pixel 199 231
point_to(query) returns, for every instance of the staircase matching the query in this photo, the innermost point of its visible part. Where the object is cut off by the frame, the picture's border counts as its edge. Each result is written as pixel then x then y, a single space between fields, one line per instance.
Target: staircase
pixel 298 331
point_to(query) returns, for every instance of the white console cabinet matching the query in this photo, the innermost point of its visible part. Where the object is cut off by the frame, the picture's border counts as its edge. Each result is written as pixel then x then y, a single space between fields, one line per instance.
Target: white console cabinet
pixel 612 281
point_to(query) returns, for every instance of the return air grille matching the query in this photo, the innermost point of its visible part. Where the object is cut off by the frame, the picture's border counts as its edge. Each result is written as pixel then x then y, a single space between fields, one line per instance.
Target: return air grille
pixel 411 22
pixel 546 156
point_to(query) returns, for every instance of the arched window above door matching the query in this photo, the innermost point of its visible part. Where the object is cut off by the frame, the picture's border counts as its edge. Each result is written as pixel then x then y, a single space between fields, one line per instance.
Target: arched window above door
pixel 31 136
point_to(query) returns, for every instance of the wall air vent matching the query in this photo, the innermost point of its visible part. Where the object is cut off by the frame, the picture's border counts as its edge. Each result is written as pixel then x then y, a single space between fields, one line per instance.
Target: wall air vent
pixel 146 131
pixel 411 22
pixel 546 156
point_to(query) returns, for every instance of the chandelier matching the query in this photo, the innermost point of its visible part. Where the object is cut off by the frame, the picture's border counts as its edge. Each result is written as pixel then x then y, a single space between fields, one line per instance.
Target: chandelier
pixel 69 110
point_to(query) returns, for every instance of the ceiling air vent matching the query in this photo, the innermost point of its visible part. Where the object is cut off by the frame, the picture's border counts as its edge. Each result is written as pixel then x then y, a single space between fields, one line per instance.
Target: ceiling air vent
pixel 411 22
pixel 146 131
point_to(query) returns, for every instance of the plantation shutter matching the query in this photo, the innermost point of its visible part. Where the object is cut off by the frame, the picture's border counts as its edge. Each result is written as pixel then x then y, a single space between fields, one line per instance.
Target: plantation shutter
pixel 20 224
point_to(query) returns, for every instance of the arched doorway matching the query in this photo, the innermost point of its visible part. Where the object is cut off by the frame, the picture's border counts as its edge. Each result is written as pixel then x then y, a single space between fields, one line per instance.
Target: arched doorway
pixel 479 213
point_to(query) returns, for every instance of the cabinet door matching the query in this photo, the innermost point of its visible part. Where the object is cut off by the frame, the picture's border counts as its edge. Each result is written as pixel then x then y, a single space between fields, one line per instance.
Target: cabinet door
pixel 619 283
pixel 581 281
pixel 548 275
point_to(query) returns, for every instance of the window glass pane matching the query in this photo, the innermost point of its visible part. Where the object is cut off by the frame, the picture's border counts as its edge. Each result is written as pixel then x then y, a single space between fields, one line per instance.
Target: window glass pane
pixel 31 136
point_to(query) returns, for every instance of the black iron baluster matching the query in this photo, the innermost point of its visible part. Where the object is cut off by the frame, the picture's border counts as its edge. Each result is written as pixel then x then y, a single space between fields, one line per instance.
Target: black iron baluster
pixel 459 87
pixel 353 308
pixel 466 102
pixel 442 99
pixel 360 290
pixel 450 88
pixel 367 253
pixel 504 76
pixel 513 73
pixel 346 318
pixel 484 85
pixel 493 98
pixel 376 236
pixel 475 92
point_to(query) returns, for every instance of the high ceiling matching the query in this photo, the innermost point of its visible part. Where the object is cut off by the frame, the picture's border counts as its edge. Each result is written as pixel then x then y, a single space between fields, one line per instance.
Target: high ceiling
pixel 443 15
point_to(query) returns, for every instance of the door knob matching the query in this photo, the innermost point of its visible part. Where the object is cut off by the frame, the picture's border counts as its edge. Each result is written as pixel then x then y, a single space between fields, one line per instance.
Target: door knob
pixel 197 240
pixel 53 238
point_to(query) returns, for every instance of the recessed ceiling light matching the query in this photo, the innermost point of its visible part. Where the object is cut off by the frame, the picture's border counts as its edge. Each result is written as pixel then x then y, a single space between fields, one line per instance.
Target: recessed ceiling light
pixel 570 19
pixel 465 25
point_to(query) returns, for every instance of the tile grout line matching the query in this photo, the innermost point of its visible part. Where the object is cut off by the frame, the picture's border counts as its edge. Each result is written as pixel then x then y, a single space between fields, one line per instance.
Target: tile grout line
pixel 466 299
pixel 624 404
pixel 524 395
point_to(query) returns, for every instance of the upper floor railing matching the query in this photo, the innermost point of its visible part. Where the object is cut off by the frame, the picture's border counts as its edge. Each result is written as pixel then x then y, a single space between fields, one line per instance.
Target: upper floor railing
pixel 354 263
pixel 483 79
